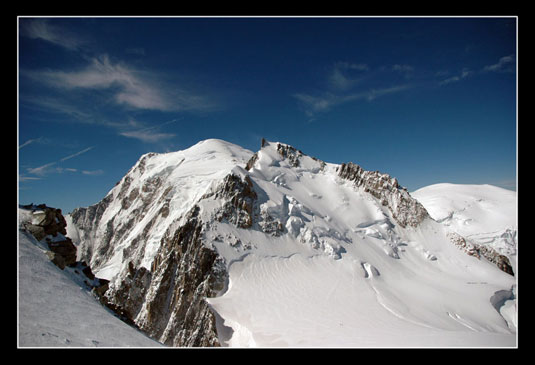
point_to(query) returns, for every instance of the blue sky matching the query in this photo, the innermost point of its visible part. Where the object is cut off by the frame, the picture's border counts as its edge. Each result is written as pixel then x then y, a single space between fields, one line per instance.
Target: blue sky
pixel 427 100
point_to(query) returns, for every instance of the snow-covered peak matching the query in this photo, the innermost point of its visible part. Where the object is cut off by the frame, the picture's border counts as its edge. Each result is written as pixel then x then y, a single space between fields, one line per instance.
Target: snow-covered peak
pixel 207 155
pixel 156 192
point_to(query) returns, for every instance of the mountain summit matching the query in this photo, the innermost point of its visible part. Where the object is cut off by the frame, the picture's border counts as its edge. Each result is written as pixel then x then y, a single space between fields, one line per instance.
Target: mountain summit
pixel 218 246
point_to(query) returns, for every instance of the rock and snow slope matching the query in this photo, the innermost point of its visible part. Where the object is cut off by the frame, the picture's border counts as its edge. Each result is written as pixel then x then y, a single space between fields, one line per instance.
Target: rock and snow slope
pixel 483 214
pixel 56 310
pixel 217 246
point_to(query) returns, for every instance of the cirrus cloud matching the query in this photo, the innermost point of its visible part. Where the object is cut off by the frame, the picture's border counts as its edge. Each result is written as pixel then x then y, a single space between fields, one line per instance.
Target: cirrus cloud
pixel 40 28
pixel 504 64
pixel 129 87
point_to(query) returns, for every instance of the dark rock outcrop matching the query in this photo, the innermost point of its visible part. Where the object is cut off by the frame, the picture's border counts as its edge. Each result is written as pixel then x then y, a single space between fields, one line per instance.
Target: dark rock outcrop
pixel 168 302
pixel 46 221
pixel 64 252
pixel 49 225
pixel 478 251
pixel 406 210
pixel 239 197
pixel 290 153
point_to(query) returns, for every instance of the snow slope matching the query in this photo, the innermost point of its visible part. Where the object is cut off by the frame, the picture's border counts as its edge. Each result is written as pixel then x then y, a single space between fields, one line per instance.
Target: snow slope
pixel 484 214
pixel 347 275
pixel 314 301
pixel 56 311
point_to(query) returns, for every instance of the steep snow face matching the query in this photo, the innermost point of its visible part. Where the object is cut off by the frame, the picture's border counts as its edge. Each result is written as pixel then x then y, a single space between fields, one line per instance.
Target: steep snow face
pixel 134 216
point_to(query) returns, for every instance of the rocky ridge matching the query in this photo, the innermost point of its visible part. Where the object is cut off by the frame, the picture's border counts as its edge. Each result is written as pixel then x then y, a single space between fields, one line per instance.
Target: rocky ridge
pixel 479 251
pixel 406 210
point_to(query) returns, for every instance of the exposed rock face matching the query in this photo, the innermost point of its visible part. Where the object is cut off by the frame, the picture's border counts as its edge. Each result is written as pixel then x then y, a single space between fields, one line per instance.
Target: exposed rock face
pixel 406 210
pixel 45 221
pixel 239 197
pixel 63 252
pixel 48 225
pixel 476 250
pixel 87 218
pixel 462 244
pixel 290 153
pixel 168 302
pixel 293 155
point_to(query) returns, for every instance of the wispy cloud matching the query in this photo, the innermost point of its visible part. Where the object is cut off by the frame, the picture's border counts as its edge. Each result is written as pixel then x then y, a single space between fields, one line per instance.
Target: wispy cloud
pixel 464 74
pixel 375 93
pixel 42 29
pixel 321 103
pixel 49 168
pixel 349 82
pixel 28 178
pixel 406 70
pixel 93 172
pixel 129 87
pixel 52 167
pixel 41 170
pixel 346 75
pixel 30 141
pixel 505 64
pixel 103 91
pixel 77 154
pixel 149 134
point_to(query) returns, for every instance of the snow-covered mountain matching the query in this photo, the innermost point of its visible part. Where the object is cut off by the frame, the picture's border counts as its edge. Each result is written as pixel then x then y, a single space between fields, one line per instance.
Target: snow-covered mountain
pixel 219 246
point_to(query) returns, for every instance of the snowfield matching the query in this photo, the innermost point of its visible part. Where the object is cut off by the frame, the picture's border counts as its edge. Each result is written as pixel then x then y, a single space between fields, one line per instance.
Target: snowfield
pixel 319 302
pixel 377 301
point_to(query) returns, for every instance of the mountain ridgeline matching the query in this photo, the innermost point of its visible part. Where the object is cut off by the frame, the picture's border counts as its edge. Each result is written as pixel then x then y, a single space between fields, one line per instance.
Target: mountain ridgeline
pixel 166 235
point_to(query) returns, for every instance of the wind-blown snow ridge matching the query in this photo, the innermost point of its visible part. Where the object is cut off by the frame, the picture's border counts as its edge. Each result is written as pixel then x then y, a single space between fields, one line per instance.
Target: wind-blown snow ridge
pixel 277 248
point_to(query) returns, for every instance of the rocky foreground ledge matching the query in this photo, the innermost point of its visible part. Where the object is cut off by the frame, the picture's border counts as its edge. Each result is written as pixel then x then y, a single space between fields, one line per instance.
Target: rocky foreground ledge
pixel 48 226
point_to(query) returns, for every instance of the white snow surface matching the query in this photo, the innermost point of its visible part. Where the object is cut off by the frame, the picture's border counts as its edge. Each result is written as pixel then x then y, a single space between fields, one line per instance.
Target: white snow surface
pixel 484 214
pixel 56 310
pixel 346 275
pixel 343 274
